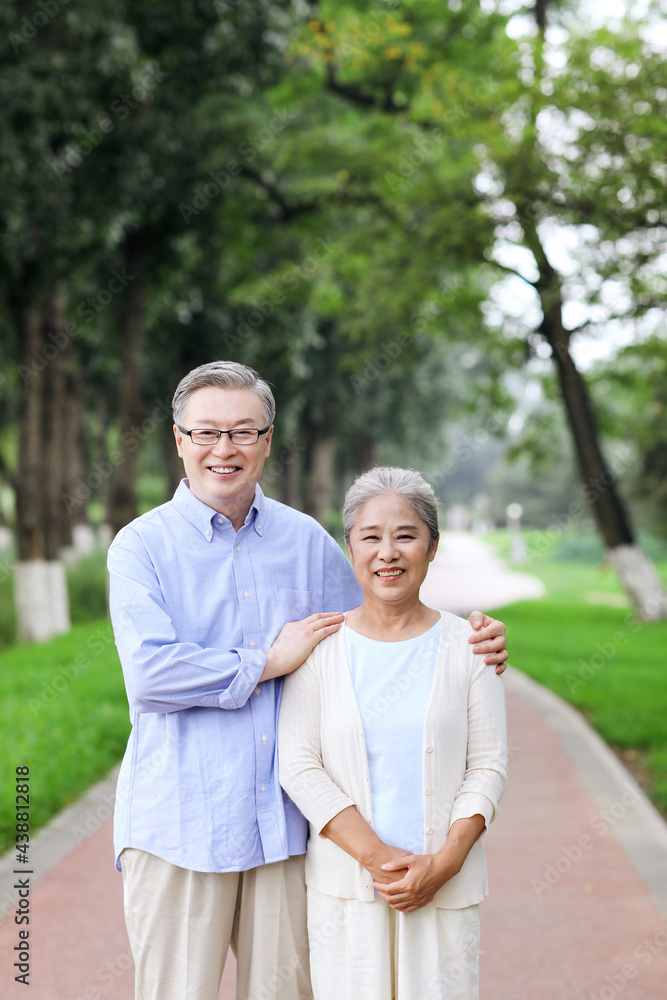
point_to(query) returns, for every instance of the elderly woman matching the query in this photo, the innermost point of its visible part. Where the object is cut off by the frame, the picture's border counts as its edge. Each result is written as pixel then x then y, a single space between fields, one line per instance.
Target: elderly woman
pixel 392 743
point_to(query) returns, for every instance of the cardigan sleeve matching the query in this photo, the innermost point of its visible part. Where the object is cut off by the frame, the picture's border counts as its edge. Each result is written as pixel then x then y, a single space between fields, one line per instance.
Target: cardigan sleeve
pixel 486 758
pixel 301 770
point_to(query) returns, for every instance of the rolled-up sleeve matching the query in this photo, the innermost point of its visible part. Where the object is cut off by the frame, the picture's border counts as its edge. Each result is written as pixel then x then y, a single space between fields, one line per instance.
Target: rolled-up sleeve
pixel 162 673
pixel 302 772
pixel 486 759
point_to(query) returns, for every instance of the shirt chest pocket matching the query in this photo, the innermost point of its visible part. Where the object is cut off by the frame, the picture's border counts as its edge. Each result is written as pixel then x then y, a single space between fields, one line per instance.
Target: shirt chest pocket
pixel 293 605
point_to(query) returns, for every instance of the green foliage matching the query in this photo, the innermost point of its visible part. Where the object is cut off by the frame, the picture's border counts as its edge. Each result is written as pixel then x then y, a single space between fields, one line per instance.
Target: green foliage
pixel 333 195
pixel 68 733
pixel 583 642
pixel 114 116
pixel 582 547
pixel 632 394
pixel 87 588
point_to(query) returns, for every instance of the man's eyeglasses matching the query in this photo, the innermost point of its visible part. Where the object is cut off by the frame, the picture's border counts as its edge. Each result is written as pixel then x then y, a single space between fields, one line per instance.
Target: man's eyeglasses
pixel 244 435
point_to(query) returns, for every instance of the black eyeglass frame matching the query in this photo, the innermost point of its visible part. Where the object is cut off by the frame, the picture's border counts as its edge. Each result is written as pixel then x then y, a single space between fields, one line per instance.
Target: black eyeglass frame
pixel 213 430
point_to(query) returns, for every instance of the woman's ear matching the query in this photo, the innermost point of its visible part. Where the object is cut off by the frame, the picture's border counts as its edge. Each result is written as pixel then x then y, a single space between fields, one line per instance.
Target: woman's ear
pixel 434 548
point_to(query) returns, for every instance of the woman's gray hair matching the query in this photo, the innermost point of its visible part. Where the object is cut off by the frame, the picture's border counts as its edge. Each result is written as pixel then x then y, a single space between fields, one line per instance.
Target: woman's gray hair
pixel 223 375
pixel 408 484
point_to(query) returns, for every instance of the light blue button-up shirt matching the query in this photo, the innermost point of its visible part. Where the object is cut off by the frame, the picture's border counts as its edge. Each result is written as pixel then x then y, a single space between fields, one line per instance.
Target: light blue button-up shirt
pixel 194 604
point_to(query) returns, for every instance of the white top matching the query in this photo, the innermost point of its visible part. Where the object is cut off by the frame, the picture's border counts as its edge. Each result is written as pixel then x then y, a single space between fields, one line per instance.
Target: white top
pixel 393 683
pixel 324 765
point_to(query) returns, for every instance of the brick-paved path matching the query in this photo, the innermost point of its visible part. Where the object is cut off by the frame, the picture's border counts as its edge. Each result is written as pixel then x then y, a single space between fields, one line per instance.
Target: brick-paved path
pixel 569 916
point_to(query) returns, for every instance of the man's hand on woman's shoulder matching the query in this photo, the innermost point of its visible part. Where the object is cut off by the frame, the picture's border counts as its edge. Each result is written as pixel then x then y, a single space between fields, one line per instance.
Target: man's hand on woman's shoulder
pixel 296 641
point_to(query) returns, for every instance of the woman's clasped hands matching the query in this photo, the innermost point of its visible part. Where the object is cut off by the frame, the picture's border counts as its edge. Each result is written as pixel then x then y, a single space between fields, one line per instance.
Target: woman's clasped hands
pixel 426 873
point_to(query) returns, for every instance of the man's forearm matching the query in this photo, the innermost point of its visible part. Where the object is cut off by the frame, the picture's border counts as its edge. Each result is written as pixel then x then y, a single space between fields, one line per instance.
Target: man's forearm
pixel 162 672
pixel 178 676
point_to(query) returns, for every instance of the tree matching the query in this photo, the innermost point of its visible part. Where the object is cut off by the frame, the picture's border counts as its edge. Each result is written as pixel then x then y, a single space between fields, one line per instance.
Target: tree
pixel 631 396
pixel 541 147
pixel 575 156
pixel 42 241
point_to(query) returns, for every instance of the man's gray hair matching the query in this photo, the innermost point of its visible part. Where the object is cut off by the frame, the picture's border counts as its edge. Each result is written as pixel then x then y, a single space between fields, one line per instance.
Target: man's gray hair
pixel 408 484
pixel 222 375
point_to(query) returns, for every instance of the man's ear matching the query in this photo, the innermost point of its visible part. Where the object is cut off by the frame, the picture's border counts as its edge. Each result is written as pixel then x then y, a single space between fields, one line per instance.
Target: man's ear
pixel 179 441
pixel 269 435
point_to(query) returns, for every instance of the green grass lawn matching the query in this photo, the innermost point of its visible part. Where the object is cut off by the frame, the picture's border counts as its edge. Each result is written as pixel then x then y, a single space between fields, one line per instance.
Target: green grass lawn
pixel 583 642
pixel 65 716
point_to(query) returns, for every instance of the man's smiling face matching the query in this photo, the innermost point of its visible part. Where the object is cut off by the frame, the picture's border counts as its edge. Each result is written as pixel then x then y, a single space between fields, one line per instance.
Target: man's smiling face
pixel 224 475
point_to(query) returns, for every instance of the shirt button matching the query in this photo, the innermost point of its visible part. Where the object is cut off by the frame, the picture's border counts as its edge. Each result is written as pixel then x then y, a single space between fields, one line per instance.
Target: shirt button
pixel 262 788
pixel 258 690
pixel 430 830
pixel 238 548
pixel 252 642
pixel 259 527
pixel 427 791
pixel 429 749
pixel 208 534
pixel 246 593
pixel 264 737
pixel 221 520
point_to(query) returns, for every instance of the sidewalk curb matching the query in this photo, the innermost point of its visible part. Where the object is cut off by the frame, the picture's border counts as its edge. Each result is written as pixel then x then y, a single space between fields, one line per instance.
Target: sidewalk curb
pixel 60 836
pixel 637 825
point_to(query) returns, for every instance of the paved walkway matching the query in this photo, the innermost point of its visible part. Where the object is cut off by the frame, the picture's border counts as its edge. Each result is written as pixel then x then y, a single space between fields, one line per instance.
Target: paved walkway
pixel 466 574
pixel 577 866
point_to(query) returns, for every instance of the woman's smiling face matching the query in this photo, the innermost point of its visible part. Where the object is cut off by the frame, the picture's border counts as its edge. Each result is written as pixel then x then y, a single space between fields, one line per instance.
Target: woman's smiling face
pixel 390 549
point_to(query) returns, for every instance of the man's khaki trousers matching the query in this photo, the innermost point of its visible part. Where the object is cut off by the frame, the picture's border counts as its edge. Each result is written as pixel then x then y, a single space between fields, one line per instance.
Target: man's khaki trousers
pixel 182 923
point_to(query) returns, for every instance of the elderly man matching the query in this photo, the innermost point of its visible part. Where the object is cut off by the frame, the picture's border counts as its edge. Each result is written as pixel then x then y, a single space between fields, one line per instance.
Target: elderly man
pixel 215 596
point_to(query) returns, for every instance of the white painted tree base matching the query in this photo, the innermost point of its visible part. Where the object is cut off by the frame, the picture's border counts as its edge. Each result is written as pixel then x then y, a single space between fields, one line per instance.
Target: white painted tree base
pixel 639 577
pixel 41 600
pixel 84 543
pixel 105 536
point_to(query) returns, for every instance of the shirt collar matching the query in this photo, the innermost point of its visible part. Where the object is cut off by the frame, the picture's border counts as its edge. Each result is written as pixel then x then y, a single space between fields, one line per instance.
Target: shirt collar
pixel 257 512
pixel 201 515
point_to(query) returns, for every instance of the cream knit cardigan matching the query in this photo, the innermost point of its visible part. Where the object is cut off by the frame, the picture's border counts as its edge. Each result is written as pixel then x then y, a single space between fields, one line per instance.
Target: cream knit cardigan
pixel 324 767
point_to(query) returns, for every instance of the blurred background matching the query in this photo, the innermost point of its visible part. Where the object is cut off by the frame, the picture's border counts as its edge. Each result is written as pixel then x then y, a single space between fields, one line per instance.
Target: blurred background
pixel 437 229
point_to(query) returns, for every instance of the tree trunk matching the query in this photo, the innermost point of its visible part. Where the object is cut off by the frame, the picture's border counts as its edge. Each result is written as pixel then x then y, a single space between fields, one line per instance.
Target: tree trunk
pixel 319 497
pixel 173 465
pixel 283 473
pixel 41 599
pixel 8 478
pixel 599 482
pixel 99 444
pixel 78 476
pixel 75 464
pixel 42 522
pixel 122 506
pixel 639 577
pixel 636 572
pixel 29 526
pixel 293 480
